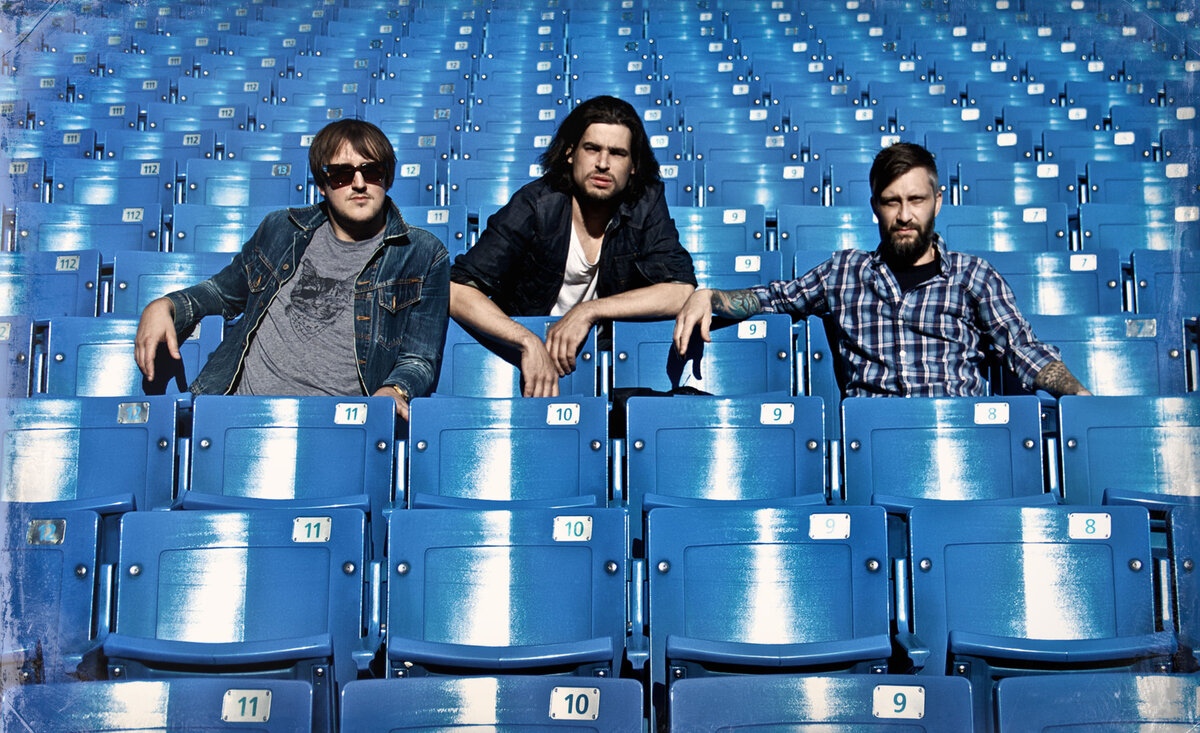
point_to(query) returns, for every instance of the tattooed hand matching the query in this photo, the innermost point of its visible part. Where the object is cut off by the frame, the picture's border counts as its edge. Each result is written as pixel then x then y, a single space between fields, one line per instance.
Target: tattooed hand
pixel 1056 379
pixel 703 304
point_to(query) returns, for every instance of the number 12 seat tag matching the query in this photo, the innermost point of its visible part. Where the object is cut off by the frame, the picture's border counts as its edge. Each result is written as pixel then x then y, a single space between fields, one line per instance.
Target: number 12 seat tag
pixel 572 528
pixel 898 701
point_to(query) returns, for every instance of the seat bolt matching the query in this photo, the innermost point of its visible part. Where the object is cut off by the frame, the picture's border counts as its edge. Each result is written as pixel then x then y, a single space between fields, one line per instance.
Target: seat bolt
pixel 663 566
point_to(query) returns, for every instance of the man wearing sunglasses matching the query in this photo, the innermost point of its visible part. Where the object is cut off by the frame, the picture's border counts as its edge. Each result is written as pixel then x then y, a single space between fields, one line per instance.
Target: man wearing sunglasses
pixel 589 241
pixel 338 298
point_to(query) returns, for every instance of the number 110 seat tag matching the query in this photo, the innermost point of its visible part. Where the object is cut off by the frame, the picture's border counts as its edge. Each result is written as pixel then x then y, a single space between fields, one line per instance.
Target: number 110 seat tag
pixel 898 701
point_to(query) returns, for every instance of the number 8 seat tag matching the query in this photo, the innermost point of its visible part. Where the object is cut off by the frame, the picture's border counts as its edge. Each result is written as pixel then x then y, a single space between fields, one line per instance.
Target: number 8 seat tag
pixel 898 701
pixel 572 528
pixel 575 703
pixel 1089 526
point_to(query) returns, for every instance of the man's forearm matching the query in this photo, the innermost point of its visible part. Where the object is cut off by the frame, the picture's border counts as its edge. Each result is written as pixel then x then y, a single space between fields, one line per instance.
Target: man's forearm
pixel 1056 379
pixel 735 303
pixel 470 307
pixel 661 300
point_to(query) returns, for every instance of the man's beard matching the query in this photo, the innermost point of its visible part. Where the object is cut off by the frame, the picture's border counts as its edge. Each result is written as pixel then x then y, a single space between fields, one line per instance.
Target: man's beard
pixel 906 251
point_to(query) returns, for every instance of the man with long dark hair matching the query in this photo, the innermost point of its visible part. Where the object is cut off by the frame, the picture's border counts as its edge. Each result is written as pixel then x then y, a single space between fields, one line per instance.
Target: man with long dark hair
pixel 913 318
pixel 589 241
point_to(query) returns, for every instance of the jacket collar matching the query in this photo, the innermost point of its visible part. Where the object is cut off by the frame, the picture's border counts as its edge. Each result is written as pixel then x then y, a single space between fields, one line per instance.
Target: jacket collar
pixel 309 218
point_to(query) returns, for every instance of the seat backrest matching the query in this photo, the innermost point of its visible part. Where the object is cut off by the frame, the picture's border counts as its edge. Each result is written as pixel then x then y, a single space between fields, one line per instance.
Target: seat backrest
pixel 260 704
pixel 447 223
pixel 50 560
pixel 1151 184
pixel 1043 704
pixel 1060 282
pixel 718 229
pixel 207 228
pixel 901 452
pixel 140 277
pixel 539 451
pixel 1183 532
pixel 47 284
pixel 107 228
pixel 124 182
pixel 769 185
pixel 826 228
pixel 476 366
pixel 94 357
pixel 16 355
pixel 751 356
pixel 1132 449
pixel 738 270
pixel 480 183
pixel 1167 282
pixel 1126 227
pixel 508 702
pixel 1025 184
pixel 1037 228
pixel 534 590
pixel 245 183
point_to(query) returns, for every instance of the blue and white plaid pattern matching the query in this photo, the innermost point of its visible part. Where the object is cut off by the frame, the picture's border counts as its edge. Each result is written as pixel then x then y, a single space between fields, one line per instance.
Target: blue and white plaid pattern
pixel 930 342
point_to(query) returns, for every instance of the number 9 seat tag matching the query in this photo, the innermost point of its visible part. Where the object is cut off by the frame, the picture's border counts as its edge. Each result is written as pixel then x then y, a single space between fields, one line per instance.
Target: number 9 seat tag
pixel 823 526
pixel 572 528
pixel 898 701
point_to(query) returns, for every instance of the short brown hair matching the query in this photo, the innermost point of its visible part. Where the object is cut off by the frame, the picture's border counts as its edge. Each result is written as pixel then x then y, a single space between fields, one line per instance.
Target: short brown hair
pixel 897 159
pixel 366 139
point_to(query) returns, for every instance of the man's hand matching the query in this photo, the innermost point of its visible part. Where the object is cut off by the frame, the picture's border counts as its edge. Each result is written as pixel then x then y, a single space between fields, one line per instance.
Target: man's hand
pixel 697 311
pixel 538 371
pixel 156 326
pixel 565 336
pixel 401 403
pixel 1056 379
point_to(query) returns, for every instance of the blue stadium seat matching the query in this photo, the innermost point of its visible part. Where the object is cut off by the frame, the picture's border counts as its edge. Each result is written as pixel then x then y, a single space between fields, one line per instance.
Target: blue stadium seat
pixel 62 116
pixel 269 593
pixel 417 177
pixel 1133 449
pixel 765 591
pixel 769 186
pixel 140 277
pixel 72 227
pixel 721 229
pixel 1039 228
pixel 536 590
pixel 511 702
pixel 1126 227
pixel 1003 591
pixel 47 284
pixel 475 366
pixel 1166 282
pixel 16 355
pixel 993 183
pixel 1100 701
pixel 541 452
pixel 106 454
pixel 826 228
pixel 1062 283
pixel 50 557
pixel 906 452
pixel 1124 146
pixel 864 703
pixel 166 146
pixel 680 182
pixel 748 357
pixel 738 270
pixel 246 183
pixel 214 113
pixel 26 179
pixel 305 119
pixel 952 148
pixel 89 357
pixel 270 146
pixel 849 179
pixel 48 144
pixel 1115 354
pixel 482 183
pixel 240 86
pixel 234 704
pixel 200 228
pixel 1152 184
pixel 447 223
pixel 1183 530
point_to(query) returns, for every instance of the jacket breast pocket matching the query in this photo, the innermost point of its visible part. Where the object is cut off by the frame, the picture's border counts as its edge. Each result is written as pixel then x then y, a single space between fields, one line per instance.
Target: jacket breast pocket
pixel 395 300
pixel 259 273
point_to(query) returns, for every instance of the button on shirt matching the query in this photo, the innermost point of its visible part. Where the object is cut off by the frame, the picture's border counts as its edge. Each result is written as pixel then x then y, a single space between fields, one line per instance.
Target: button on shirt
pixel 929 342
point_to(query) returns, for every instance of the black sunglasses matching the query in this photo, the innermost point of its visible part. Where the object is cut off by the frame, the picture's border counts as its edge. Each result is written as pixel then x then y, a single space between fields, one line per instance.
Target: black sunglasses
pixel 342 175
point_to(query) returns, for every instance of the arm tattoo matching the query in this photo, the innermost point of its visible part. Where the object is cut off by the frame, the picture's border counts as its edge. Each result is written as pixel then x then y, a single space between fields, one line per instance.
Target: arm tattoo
pixel 735 303
pixel 1056 379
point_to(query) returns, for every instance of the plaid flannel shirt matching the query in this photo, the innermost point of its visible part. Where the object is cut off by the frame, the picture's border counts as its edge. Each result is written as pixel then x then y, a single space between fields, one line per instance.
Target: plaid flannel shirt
pixel 929 342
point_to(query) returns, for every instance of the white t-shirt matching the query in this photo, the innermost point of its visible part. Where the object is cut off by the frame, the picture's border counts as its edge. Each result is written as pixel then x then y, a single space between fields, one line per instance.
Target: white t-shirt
pixel 579 279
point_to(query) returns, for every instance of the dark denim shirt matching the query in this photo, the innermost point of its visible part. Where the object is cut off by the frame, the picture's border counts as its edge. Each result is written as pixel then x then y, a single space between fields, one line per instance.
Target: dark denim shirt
pixel 521 256
pixel 401 301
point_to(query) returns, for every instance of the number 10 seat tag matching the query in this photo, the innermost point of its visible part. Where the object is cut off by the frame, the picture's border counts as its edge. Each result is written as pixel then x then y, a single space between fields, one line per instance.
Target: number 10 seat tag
pixel 898 701
pixel 572 528
pixel 562 413
pixel 575 703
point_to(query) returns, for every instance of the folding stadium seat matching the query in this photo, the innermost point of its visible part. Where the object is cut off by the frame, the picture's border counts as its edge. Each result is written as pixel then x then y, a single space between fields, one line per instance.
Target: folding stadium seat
pixel 748 357
pixel 50 557
pixel 197 228
pixel 1038 119
pixel 246 183
pixel 718 229
pixel 904 453
pixel 215 113
pixel 107 228
pixel 1105 700
pixel 538 452
pixel 819 88
pixel 953 148
pixel 50 144
pixel 757 591
pixel 1124 146
pixel 63 116
pixel 482 183
pixel 1126 227
pixel 1167 282
pixel 26 180
pixel 1005 591
pixel 1040 228
pixel 1152 184
pixel 47 284
pixel 269 146
pixel 512 702
pixel 1123 450
pixel 16 355
pixel 1183 532
pixel 864 703
pixel 269 593
pixel 130 91
pixel 259 704
pixel 475 366
pixel 250 87
pixel 765 185
pixel 736 270
pixel 680 182
pixel 1062 283
pixel 1177 144
pixel 991 183
pixel 170 147
pixel 128 183
pixel 479 592
pixel 91 357
pixel 914 119
pixel 987 91
pixel 1115 354
pixel 521 146
pixel 826 228
pixel 305 119
pixel 849 178
pixel 331 56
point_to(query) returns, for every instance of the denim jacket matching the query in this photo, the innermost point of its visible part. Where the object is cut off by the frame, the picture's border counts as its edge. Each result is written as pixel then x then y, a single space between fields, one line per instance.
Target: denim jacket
pixel 401 301
pixel 521 256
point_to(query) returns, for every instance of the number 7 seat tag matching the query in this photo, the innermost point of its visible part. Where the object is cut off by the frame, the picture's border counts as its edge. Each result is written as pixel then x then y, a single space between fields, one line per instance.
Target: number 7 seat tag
pixel 898 701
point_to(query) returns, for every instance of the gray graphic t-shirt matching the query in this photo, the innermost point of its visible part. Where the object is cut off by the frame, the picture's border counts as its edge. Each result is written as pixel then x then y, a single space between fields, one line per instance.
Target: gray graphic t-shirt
pixel 305 345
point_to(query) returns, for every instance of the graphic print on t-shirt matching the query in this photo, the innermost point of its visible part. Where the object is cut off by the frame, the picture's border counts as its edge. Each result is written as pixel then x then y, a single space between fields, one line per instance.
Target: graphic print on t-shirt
pixel 316 301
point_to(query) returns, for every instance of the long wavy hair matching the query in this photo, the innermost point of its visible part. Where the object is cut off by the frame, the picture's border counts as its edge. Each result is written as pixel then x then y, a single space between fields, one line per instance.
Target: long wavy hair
pixel 603 110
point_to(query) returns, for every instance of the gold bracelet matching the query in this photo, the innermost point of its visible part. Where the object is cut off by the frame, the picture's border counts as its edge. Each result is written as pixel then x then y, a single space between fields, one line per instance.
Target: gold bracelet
pixel 399 391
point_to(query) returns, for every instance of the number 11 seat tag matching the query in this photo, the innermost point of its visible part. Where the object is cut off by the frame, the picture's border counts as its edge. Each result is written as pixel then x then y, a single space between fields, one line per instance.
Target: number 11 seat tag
pixel 350 413
pixel 898 701
pixel 572 528
pixel 311 529
pixel 575 703
pixel 246 706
